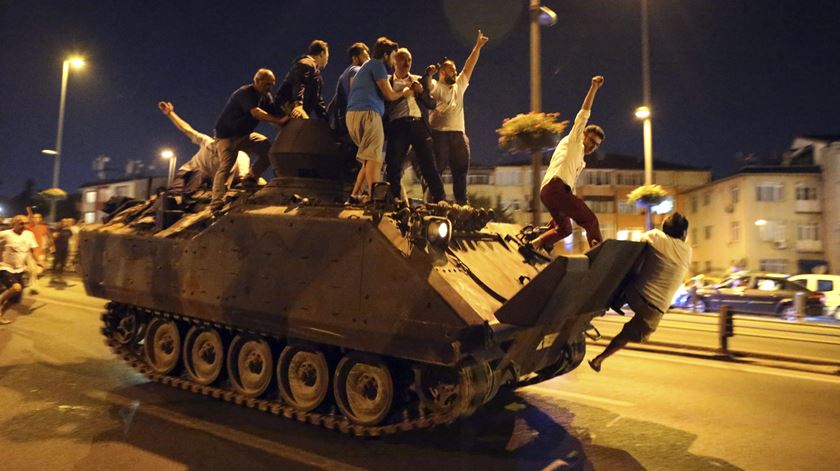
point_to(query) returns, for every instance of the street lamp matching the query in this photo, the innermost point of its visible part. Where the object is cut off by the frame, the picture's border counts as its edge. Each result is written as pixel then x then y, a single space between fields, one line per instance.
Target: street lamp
pixel 168 154
pixel 75 62
pixel 540 16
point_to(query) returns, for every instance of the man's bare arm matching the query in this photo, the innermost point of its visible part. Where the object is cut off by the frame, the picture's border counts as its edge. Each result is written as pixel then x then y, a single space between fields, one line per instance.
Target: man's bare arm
pixel 260 114
pixel 469 65
pixel 596 84
pixel 389 93
pixel 168 109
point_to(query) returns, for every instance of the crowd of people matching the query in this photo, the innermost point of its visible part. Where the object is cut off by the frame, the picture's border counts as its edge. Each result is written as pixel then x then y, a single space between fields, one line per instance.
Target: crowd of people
pixel 24 250
pixel 384 112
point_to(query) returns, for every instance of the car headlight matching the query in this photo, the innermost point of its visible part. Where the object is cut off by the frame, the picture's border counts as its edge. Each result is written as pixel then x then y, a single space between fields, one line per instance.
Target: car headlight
pixel 438 231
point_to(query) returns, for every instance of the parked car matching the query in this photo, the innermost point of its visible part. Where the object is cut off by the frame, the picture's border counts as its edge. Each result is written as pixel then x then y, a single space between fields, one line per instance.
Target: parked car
pixel 682 298
pixel 828 285
pixel 759 293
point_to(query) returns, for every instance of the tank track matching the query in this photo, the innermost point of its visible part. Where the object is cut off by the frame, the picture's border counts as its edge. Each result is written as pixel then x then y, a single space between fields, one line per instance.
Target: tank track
pixel 415 419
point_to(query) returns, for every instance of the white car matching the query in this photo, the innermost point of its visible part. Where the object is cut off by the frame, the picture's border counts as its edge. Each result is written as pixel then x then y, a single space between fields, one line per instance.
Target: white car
pixel 828 285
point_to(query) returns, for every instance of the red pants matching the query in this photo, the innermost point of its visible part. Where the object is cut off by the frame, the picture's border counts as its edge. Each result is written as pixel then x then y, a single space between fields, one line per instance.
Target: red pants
pixel 564 206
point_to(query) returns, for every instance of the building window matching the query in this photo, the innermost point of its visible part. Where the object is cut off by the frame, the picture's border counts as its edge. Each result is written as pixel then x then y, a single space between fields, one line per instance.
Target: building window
pixel 707 196
pixel 509 178
pixel 90 196
pixel 630 233
pixel 608 231
pixel 693 204
pixel 734 194
pixel 630 178
pixel 734 231
pixel 600 205
pixel 806 192
pixel 769 191
pixel 90 217
pixel 772 231
pixel 121 190
pixel 596 177
pixel 626 208
pixel 694 238
pixel 778 265
pixel 808 231
pixel 707 232
pixel 478 179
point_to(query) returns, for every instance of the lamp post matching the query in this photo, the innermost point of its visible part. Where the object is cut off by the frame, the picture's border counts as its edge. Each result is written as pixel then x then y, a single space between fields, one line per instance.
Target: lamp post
pixel 76 63
pixel 169 155
pixel 643 112
pixel 540 16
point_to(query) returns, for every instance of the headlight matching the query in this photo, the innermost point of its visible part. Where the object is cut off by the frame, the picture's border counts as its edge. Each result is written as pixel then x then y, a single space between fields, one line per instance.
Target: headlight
pixel 438 231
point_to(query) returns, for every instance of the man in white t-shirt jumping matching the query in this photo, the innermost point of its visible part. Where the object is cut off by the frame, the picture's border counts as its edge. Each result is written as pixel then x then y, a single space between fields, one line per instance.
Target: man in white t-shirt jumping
pixel 452 147
pixel 664 266
pixel 18 245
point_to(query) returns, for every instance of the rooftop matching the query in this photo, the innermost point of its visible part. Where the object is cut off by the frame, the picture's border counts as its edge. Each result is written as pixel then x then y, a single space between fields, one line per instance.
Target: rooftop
pixel 613 161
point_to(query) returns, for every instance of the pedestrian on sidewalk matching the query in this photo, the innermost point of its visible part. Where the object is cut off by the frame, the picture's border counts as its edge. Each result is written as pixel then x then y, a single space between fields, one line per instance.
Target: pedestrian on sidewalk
pixel 665 262
pixel 18 244
pixel 61 242
pixel 35 264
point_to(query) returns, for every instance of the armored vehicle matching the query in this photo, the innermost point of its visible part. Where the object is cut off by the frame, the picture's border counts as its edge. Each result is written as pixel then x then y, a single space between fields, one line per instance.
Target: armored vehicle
pixel 368 319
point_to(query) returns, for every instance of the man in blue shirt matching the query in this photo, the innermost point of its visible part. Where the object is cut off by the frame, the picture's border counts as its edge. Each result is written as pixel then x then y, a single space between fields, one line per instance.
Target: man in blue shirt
pixel 365 108
pixel 245 108
pixel 337 109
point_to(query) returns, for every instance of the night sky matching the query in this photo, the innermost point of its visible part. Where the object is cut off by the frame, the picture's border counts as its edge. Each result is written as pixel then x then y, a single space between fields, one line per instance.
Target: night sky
pixel 728 76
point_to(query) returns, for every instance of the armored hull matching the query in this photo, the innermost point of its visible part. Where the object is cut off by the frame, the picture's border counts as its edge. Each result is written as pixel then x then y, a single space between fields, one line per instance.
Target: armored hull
pixel 360 318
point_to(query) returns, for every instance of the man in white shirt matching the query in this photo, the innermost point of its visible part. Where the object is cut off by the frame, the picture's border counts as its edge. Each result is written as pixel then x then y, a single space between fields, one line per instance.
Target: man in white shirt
pixel 665 264
pixel 202 167
pixel 452 147
pixel 557 192
pixel 18 244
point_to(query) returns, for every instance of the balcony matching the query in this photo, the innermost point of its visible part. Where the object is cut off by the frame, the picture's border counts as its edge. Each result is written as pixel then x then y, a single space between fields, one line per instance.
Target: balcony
pixel 809 246
pixel 808 206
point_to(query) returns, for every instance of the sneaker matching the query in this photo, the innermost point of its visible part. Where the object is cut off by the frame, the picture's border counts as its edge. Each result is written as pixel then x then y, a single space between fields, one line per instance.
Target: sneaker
pixel 594 366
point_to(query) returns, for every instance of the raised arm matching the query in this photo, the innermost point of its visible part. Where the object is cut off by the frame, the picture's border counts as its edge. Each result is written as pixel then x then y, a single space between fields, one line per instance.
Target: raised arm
pixel 168 109
pixel 597 82
pixel 469 65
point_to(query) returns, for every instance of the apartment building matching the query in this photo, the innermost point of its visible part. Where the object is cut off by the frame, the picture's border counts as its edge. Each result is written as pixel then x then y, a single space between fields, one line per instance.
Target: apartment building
pixel 604 185
pixel 767 218
pixel 96 194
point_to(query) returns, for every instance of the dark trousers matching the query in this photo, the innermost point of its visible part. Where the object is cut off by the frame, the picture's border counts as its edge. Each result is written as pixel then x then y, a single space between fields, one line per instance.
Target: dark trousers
pixel 9 279
pixel 452 149
pixel 414 132
pixel 565 207
pixel 59 260
pixel 254 144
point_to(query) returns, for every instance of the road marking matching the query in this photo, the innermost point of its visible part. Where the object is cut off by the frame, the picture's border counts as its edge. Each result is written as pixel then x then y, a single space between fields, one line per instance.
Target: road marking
pixel 77 306
pixel 765 370
pixel 235 436
pixel 577 396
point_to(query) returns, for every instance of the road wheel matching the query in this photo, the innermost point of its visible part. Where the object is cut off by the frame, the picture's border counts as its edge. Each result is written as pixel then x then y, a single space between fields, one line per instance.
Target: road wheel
pixel 162 346
pixel 786 310
pixel 363 388
pixel 127 329
pixel 303 377
pixel 250 365
pixel 204 354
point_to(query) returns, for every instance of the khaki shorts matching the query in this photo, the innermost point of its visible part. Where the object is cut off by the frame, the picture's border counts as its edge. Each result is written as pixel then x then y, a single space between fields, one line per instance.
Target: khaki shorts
pixel 645 318
pixel 365 128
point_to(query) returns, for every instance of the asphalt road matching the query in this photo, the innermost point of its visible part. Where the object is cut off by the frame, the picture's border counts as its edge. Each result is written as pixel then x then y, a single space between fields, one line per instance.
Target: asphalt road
pixel 69 404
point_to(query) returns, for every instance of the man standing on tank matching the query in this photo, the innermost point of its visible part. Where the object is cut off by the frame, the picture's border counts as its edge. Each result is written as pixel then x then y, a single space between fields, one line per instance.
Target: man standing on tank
pixel 365 109
pixel 452 147
pixel 245 108
pixel 299 95
pixel 337 109
pixel 406 127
